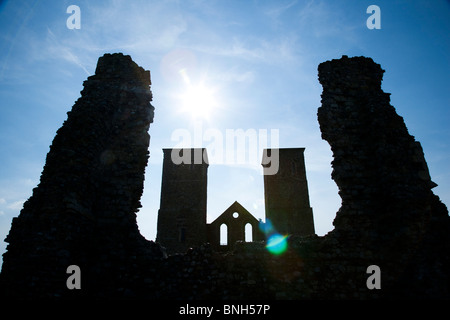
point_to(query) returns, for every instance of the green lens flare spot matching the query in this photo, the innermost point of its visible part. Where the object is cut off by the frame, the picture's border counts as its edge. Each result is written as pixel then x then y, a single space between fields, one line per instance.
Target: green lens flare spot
pixel 277 244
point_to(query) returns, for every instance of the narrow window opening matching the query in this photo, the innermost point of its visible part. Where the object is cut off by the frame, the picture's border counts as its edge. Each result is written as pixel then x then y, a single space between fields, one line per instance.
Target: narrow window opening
pixel 248 232
pixel 223 235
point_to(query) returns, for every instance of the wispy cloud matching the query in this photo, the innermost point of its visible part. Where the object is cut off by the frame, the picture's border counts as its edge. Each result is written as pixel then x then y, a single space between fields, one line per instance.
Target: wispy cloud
pixel 10 207
pixel 58 49
pixel 325 19
pixel 236 74
pixel 257 50
pixel 275 12
pixel 144 26
pixel 16 205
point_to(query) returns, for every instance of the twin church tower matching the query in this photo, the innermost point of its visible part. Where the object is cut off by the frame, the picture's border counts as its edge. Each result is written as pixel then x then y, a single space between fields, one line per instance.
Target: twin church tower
pixel 182 221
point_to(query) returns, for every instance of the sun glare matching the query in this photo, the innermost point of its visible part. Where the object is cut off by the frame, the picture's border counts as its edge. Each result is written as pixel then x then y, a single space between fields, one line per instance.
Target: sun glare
pixel 199 101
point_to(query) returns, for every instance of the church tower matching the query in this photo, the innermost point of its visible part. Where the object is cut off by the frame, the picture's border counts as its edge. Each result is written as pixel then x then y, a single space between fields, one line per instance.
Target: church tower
pixel 182 211
pixel 286 191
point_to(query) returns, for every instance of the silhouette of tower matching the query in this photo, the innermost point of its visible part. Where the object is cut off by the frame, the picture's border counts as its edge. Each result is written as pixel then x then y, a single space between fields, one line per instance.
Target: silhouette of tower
pixel 286 191
pixel 182 211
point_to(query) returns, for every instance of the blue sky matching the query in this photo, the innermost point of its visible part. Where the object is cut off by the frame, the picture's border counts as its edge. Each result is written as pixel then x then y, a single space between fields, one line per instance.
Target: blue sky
pixel 256 60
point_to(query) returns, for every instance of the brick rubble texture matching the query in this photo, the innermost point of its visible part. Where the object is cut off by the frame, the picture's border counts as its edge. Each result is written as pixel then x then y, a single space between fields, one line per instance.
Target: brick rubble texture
pixel 83 211
pixel 389 212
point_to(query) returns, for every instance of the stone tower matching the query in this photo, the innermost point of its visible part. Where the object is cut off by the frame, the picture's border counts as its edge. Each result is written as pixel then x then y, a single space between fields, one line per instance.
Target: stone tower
pixel 182 212
pixel 286 192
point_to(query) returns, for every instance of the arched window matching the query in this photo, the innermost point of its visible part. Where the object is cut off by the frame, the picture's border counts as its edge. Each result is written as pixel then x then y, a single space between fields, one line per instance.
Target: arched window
pixel 248 232
pixel 223 235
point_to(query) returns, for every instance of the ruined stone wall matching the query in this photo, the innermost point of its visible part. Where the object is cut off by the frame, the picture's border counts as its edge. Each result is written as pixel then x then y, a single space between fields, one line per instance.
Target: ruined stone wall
pixel 235 218
pixel 389 215
pixel 83 210
pixel 383 179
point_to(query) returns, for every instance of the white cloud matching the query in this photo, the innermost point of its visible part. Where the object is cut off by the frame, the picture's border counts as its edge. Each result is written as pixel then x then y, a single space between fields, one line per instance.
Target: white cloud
pixel 16 205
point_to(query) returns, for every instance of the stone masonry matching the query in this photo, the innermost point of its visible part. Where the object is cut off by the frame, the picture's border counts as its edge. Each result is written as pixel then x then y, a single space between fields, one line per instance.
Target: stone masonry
pixel 388 212
pixel 286 193
pixel 182 222
pixel 83 210
pixel 182 213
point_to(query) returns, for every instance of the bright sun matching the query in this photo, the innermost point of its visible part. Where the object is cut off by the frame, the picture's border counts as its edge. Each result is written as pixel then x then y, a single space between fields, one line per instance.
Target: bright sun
pixel 199 101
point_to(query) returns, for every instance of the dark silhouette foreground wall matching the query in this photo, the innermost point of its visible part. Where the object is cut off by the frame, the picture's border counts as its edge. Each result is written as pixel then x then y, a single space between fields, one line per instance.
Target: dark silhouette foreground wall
pixel 83 211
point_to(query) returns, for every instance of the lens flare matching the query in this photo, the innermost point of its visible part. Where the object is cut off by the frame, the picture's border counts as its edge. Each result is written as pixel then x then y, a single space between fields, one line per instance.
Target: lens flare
pixel 277 244
pixel 267 227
